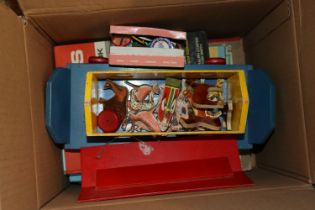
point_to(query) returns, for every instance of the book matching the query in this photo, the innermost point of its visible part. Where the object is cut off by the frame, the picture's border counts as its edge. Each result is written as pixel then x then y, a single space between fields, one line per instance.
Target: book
pixel 79 53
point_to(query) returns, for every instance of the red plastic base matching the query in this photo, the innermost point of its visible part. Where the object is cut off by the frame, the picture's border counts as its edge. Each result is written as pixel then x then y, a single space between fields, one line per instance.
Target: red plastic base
pixel 137 169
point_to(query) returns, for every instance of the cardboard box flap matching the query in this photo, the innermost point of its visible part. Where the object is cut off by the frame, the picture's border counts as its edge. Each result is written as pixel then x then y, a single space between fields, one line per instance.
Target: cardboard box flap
pixel 223 18
pixel 293 198
pixel 268 185
pixel 49 176
pixel 54 6
pixel 277 17
pixel 306 47
pixel 287 150
pixel 17 174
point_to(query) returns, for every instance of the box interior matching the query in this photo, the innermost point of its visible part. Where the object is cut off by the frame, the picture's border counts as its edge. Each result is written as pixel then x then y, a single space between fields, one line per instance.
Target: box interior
pixel 268 29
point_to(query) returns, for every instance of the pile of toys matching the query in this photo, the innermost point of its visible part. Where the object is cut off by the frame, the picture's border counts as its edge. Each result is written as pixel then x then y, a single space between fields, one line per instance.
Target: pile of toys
pixel 164 105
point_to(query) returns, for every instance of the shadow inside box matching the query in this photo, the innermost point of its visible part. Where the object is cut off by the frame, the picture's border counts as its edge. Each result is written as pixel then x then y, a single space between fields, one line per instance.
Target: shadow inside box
pixel 258 148
pixel 109 139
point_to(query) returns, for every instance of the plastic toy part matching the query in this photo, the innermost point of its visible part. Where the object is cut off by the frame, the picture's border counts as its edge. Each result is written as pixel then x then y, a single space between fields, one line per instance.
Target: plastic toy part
pixel 159 168
pixel 260 87
pixel 71 161
pixel 220 61
pixel 114 107
pixel 108 121
pixel 119 40
pixel 98 59
pixel 58 97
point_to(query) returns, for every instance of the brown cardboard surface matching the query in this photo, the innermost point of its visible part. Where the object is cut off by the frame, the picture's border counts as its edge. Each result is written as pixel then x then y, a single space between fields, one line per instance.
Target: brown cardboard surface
pixel 14 5
pixel 276 53
pixel 238 52
pixel 270 186
pixel 274 199
pixel 49 174
pixel 296 8
pixel 270 23
pixel 17 174
pixel 53 6
pixel 223 17
pixel 307 49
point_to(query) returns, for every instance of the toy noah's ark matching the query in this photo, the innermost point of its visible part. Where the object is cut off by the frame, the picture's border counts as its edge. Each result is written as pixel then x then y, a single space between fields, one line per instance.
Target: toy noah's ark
pixel 98 101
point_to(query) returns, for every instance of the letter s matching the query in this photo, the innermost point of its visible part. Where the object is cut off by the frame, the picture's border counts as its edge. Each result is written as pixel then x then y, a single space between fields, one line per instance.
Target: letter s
pixel 77 56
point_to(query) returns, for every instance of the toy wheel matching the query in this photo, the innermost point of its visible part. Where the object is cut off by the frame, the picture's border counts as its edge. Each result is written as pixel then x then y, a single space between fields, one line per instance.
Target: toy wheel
pixel 98 59
pixel 220 61
pixel 108 121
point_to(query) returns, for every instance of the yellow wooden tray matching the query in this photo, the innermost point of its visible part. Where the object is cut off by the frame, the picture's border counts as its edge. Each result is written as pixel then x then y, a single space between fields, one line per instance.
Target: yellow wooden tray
pixel 235 80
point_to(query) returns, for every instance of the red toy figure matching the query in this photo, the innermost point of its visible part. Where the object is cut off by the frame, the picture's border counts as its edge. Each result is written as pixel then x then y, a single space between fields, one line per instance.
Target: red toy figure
pixel 114 109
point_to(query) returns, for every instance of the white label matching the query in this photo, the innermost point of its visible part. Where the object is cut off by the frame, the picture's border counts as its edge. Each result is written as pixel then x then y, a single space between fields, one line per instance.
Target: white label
pixel 101 49
pixel 146 51
pixel 77 56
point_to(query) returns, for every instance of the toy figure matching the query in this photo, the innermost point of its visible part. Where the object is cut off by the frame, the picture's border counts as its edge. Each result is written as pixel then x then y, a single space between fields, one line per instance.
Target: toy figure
pixel 114 106
pixel 181 111
pixel 200 118
pixel 139 95
pixel 195 122
pixel 207 97
pixel 167 103
pixel 145 120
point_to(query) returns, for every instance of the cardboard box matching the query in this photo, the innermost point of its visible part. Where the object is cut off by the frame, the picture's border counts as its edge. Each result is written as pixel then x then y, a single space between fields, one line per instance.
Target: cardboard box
pixel 278 37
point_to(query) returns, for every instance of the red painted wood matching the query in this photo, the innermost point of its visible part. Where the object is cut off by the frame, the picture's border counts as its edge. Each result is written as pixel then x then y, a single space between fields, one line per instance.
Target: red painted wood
pixel 150 168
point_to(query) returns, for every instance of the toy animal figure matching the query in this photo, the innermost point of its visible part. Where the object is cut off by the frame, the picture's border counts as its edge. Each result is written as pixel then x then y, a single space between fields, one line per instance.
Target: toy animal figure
pixel 213 114
pixel 220 83
pixel 188 95
pixel 139 95
pixel 199 118
pixel 118 102
pixel 145 120
pixel 195 122
pixel 182 105
pixel 215 94
pixel 181 111
pixel 207 97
